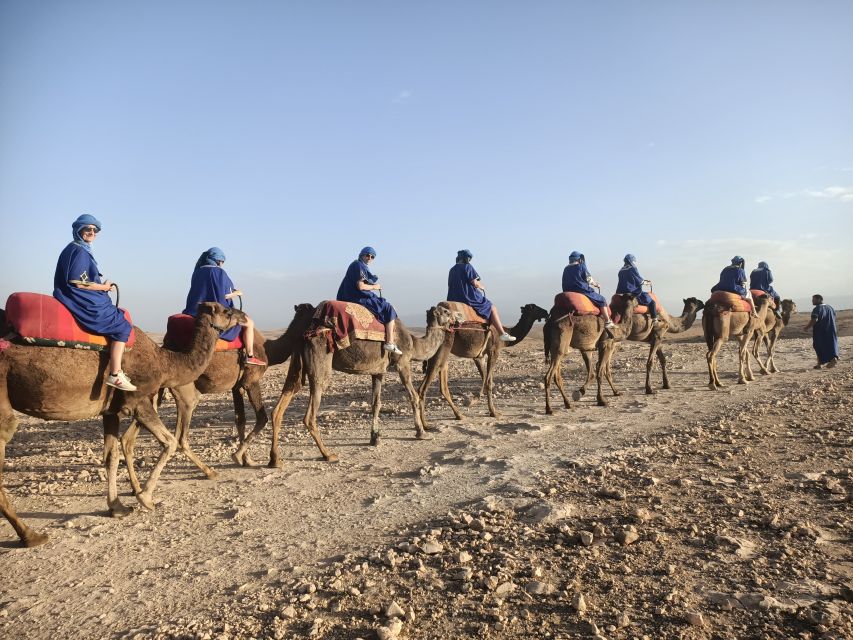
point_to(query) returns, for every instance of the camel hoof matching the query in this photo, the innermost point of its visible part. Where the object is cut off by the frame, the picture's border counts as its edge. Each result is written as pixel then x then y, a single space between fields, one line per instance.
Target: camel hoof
pixel 496 414
pixel 602 403
pixel 119 510
pixel 33 539
pixel 211 474
pixel 146 501
pixel 665 385
pixel 275 464
pixel 429 427
pixel 650 391
pixel 549 412
pixel 332 457
pixel 374 439
pixel 577 395
pixel 420 435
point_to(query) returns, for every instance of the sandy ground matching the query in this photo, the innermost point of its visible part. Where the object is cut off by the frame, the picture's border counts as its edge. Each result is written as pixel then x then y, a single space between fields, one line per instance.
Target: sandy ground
pixel 687 514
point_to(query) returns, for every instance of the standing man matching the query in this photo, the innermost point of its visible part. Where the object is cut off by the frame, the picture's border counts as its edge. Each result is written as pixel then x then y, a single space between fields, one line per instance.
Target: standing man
pixel 825 333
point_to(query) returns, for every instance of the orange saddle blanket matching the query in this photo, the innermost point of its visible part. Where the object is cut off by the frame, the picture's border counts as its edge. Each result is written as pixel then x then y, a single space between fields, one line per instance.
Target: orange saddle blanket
pixel 616 302
pixel 758 293
pixel 180 329
pixel 43 320
pixel 467 317
pixel 342 321
pixel 576 303
pixel 730 301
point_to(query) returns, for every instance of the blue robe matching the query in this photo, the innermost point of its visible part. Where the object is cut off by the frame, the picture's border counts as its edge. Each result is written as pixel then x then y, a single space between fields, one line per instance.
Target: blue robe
pixel 349 292
pixel 631 282
pixel 93 310
pixel 762 279
pixel 575 280
pixel 825 334
pixel 211 284
pixel 733 280
pixel 460 289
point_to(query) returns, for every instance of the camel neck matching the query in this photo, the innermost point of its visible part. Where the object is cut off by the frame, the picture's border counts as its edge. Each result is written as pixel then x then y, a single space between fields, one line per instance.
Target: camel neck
pixel 185 367
pixel 521 329
pixel 424 348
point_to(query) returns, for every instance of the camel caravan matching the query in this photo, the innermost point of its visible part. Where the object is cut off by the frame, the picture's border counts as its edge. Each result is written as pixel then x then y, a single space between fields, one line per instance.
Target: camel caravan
pixel 75 355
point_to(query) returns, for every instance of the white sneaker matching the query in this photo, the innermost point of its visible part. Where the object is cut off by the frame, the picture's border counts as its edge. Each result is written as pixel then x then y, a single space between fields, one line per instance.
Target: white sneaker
pixel 609 325
pixel 505 337
pixel 120 381
pixel 390 347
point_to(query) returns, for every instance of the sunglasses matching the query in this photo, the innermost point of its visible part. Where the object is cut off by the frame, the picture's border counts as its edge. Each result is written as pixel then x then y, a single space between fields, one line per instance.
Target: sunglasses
pixel 89 230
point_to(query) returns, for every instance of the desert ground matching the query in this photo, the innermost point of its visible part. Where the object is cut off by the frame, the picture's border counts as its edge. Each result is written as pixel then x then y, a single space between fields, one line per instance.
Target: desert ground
pixel 685 514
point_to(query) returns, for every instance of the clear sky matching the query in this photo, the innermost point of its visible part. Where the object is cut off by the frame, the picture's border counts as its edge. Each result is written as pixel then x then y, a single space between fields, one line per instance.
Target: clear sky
pixel 291 134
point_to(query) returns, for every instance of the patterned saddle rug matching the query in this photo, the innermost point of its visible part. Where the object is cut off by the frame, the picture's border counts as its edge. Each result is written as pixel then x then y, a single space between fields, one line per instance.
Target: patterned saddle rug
pixel 575 303
pixel 617 303
pixel 758 293
pixel 466 317
pixel 342 321
pixel 730 301
pixel 180 329
pixel 44 321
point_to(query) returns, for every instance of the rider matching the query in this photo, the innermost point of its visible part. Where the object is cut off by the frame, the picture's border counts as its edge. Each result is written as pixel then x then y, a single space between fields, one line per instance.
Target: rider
pixel 358 286
pixel 733 279
pixel 761 278
pixel 210 283
pixel 631 282
pixel 578 279
pixel 89 303
pixel 463 285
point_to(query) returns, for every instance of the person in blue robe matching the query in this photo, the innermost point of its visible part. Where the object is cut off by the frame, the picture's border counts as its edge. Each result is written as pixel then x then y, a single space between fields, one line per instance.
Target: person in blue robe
pixel 824 333
pixel 733 279
pixel 761 279
pixel 210 283
pixel 359 285
pixel 463 285
pixel 578 279
pixel 77 284
pixel 631 282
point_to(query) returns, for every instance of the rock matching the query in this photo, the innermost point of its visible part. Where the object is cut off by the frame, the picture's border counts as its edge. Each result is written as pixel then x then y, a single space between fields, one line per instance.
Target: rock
pixel 431 547
pixel 506 587
pixel 288 612
pixel 586 538
pixel 627 537
pixel 463 574
pixel 394 610
pixel 579 603
pixel 622 620
pixel 462 557
pixel 694 618
pixel 385 633
pixel 539 588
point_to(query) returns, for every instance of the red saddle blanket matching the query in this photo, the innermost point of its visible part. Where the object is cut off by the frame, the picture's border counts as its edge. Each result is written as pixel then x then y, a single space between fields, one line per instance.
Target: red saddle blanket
pixel 576 303
pixel 43 320
pixel 730 301
pixel 180 329
pixel 758 293
pixel 343 321
pixel 466 316
pixel 616 302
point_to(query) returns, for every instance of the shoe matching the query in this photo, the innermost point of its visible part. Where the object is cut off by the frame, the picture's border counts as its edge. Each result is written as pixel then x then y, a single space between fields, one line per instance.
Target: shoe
pixel 252 360
pixel 120 381
pixel 505 337
pixel 609 325
pixel 817 366
pixel 390 347
pixel 832 363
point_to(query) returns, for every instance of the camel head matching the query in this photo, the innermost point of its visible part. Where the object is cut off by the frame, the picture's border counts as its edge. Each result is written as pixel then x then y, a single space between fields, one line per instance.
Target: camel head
pixel 303 310
pixel 442 317
pixel 693 304
pixel 789 306
pixel 536 312
pixel 218 316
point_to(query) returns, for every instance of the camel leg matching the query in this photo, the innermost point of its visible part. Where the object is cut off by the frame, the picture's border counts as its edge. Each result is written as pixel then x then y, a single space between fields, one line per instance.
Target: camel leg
pixel 111 460
pixel 605 352
pixel 149 419
pixel 478 362
pixel 128 445
pixel 757 342
pixel 405 372
pixel 713 381
pixel 488 383
pixel 433 368
pixel 549 375
pixel 239 413
pixel 292 385
pixel 376 401
pixel 587 362
pixel 187 398
pixel 662 359
pixel 241 456
pixel 744 369
pixel 608 368
pixel 650 363
pixel 558 379
pixel 445 391
pixel 315 390
pixel 771 350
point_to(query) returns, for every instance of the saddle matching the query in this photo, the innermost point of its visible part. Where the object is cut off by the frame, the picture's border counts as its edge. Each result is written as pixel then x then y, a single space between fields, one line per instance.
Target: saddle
pixel 758 293
pixel 576 304
pixel 466 317
pixel 730 301
pixel 42 320
pixel 342 321
pixel 180 329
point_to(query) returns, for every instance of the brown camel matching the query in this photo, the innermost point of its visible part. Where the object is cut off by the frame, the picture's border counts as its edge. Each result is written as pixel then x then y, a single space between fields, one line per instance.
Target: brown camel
pixel 584 333
pixel 769 334
pixel 719 324
pixel 478 345
pixel 223 373
pixel 54 383
pixel 362 357
pixel 644 330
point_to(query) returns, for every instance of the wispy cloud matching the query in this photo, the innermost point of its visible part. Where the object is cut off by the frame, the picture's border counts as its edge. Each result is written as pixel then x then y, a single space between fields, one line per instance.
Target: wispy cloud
pixel 763 199
pixel 842 194
pixel 404 95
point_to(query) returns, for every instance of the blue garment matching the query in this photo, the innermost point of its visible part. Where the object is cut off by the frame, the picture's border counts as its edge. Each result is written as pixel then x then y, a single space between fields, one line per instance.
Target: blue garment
pixel 631 282
pixel 762 279
pixel 210 258
pixel 733 280
pixel 824 333
pixel 349 292
pixel 575 279
pixel 211 284
pixel 460 289
pixel 93 310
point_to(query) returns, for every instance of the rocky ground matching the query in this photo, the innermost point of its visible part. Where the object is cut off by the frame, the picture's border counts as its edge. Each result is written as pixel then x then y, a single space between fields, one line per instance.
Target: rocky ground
pixel 688 514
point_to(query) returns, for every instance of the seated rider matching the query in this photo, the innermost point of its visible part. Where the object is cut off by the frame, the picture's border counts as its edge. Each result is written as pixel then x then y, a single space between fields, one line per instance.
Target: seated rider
pixel 733 280
pixel 90 303
pixel 210 283
pixel 358 286
pixel 463 285
pixel 631 282
pixel 761 278
pixel 578 279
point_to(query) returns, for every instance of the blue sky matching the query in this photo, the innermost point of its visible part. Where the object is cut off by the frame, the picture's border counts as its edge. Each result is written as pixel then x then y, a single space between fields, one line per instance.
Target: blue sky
pixel 291 134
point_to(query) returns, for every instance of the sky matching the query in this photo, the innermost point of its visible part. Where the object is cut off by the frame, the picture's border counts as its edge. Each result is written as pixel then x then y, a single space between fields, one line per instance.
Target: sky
pixel 291 134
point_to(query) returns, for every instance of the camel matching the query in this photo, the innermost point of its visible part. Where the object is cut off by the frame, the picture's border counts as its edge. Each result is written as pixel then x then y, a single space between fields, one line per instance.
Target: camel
pixel 222 374
pixel 643 330
pixel 478 345
pixel 719 324
pixel 362 357
pixel 54 383
pixel 769 334
pixel 584 333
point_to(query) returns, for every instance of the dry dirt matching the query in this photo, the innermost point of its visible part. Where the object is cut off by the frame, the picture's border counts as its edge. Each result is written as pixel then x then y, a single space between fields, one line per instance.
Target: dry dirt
pixel 687 514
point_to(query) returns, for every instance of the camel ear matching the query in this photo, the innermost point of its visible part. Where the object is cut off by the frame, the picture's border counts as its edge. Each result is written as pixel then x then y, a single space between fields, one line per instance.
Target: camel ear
pixel 206 308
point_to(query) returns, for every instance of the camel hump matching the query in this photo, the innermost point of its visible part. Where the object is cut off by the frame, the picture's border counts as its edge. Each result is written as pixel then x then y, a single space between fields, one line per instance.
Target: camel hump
pixel 465 313
pixel 730 301
pixel 576 303
pixel 758 293
pixel 180 329
pixel 342 321
pixel 42 320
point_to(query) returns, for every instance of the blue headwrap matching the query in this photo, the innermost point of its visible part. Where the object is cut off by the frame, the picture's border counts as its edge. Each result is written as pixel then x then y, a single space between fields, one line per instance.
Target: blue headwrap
pixel 763 265
pixel 210 257
pixel 464 254
pixel 630 259
pixel 737 261
pixel 84 221
pixel 367 251
pixel 575 256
